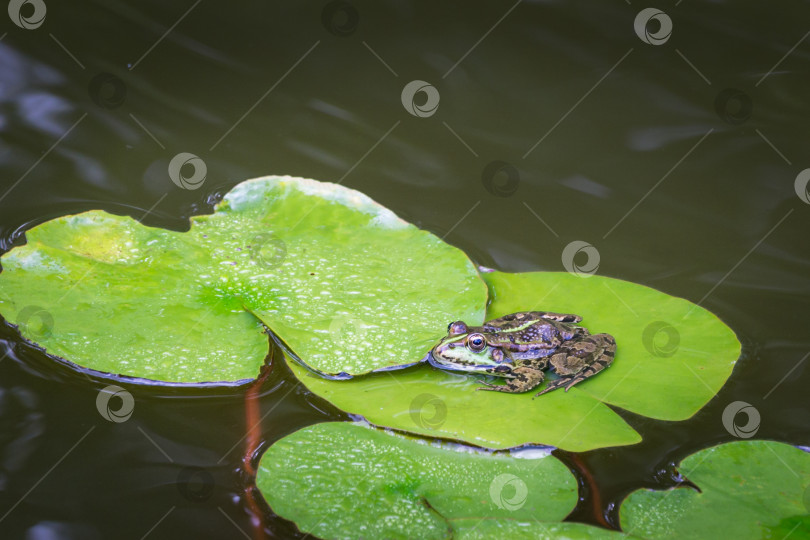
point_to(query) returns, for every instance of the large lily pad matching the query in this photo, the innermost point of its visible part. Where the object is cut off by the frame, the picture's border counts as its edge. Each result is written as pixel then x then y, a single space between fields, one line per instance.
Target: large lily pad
pixel 439 404
pixel 341 480
pixel 666 346
pixel 688 366
pixel 748 489
pixel 350 287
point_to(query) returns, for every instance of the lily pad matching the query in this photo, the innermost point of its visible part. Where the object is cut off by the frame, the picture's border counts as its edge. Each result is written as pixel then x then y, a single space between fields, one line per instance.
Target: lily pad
pixel 350 287
pixel 666 346
pixel 748 489
pixel 342 480
pixel 485 529
pixel 441 404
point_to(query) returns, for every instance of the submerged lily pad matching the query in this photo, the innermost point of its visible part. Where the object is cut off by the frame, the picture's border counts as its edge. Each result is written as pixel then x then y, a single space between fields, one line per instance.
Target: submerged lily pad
pixel 341 480
pixel 350 287
pixel 748 489
pixel 666 346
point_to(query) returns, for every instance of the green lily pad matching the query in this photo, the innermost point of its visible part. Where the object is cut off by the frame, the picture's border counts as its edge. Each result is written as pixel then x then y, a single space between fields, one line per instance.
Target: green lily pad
pixel 688 366
pixel 665 346
pixel 342 480
pixel 350 287
pixel 485 529
pixel 442 404
pixel 749 489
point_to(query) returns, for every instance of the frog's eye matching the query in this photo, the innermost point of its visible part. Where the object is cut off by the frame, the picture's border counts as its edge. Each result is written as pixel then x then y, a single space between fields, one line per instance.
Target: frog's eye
pixel 476 342
pixel 458 327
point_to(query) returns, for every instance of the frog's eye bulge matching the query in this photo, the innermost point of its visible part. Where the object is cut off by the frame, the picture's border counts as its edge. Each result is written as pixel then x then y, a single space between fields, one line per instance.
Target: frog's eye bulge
pixel 476 342
pixel 458 327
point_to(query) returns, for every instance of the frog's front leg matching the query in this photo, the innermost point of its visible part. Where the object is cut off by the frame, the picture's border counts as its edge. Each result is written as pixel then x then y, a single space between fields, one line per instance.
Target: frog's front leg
pixel 520 379
pixel 581 358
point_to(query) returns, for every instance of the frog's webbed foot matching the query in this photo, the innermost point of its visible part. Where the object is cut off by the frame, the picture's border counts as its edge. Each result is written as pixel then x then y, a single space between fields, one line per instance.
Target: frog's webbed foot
pixel 581 358
pixel 522 379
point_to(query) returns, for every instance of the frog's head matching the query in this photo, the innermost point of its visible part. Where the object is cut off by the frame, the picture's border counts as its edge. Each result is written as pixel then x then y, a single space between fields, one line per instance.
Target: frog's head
pixel 465 349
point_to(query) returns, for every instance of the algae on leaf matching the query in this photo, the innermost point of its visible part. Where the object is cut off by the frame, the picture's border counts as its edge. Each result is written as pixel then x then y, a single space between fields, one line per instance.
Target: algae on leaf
pixel 349 286
pixel 342 480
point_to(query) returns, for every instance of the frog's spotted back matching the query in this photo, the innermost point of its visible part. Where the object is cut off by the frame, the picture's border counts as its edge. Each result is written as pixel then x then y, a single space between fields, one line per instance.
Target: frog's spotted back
pixel 519 346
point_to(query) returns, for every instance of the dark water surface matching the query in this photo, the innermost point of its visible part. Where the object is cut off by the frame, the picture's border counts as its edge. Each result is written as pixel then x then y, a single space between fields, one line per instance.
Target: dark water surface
pixel 677 161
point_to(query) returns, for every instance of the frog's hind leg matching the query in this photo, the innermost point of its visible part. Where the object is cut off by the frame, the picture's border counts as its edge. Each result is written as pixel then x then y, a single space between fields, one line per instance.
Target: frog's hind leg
pixel 523 379
pixel 581 358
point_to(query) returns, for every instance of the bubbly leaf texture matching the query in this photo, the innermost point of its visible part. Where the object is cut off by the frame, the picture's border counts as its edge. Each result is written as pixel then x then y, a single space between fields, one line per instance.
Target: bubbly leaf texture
pixel 345 283
pixel 486 529
pixel 666 346
pixel 342 480
pixel 749 489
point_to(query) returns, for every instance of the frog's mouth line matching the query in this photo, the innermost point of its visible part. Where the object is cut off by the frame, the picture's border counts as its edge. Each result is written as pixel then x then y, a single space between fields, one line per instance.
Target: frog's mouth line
pixel 472 367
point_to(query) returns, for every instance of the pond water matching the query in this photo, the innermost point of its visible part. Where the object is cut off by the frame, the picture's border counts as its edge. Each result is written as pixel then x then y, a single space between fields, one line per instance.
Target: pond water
pixel 678 157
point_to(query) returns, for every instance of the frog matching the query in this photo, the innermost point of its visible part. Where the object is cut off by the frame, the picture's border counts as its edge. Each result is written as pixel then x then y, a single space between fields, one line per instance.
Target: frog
pixel 519 347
